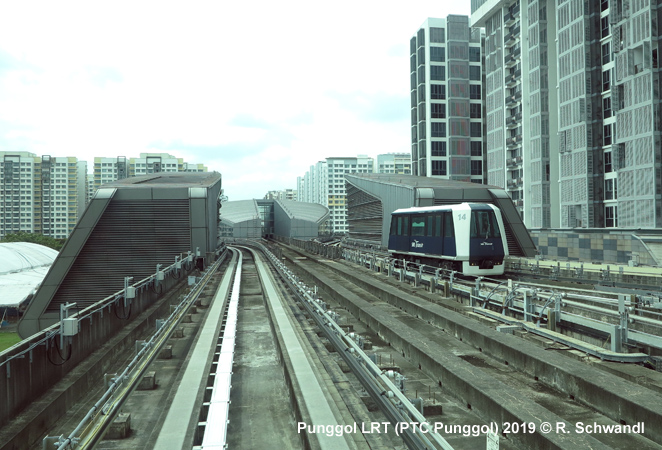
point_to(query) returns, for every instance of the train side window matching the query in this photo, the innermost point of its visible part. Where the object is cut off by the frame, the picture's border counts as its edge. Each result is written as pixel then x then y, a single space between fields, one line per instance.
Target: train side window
pixel 429 229
pixel 394 225
pixel 400 226
pixel 437 225
pixel 405 226
pixel 418 226
pixel 449 229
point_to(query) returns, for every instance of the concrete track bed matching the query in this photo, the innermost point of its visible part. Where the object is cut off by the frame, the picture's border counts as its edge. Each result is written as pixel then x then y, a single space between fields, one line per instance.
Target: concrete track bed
pixel 616 398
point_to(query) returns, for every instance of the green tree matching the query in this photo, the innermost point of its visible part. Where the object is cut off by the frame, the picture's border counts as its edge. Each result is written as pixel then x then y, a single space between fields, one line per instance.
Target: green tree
pixel 36 238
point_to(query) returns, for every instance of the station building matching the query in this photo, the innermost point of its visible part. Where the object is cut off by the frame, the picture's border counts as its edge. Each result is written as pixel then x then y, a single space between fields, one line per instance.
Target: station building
pixel 371 198
pixel 129 227
pixel 273 217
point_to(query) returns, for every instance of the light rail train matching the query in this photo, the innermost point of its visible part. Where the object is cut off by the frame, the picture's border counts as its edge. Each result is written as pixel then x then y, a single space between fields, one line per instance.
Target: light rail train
pixel 467 237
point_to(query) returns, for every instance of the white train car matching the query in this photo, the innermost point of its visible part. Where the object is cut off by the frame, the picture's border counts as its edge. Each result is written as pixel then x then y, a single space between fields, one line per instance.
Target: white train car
pixel 467 237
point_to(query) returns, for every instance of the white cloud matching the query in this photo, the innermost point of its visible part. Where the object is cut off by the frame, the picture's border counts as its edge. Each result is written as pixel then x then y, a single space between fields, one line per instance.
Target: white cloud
pixel 258 91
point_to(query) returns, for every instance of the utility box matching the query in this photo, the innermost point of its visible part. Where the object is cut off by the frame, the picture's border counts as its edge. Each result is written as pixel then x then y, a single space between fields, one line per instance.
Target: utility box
pixel 70 327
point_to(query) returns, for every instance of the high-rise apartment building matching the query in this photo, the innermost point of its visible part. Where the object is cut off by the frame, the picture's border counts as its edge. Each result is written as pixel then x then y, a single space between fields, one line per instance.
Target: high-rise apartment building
pixel 584 98
pixel 447 132
pixel 313 186
pixel 40 194
pixel 107 170
pixel 285 194
pixel 324 183
pixel 628 88
pixel 399 163
pixel 521 104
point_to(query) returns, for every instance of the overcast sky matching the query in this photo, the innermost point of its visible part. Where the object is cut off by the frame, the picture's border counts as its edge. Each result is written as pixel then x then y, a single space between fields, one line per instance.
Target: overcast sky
pixel 258 91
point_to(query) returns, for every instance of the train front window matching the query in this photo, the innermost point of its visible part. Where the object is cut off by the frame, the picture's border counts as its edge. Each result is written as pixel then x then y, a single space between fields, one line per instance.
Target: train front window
pixel 418 226
pixel 484 224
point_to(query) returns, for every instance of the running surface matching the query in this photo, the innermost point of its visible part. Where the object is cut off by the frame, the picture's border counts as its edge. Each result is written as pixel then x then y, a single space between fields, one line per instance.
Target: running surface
pixel 316 402
pixel 260 412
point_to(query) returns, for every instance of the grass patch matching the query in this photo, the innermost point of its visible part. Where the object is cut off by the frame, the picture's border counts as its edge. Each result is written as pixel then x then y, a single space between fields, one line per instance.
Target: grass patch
pixel 7 339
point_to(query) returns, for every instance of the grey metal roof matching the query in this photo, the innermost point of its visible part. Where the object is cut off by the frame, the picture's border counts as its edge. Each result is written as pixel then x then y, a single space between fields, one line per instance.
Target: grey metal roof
pixel 313 212
pixel 239 211
pixel 171 179
pixel 420 182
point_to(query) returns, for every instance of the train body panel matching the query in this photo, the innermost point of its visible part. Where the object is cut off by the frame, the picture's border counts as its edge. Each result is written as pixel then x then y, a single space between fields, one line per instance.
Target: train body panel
pixel 467 237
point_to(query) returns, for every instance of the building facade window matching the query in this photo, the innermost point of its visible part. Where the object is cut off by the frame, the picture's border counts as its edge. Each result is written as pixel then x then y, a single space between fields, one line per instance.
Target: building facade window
pixel 438 148
pixel 607 134
pixel 475 110
pixel 606 107
pixel 474 73
pixel 437 54
pixel 604 22
pixel 606 53
pixel 476 148
pixel 438 129
pixel 439 168
pixel 474 91
pixel 476 167
pixel 437 73
pixel 437 35
pixel 437 92
pixel 438 110
pixel 611 189
pixel 608 165
pixel 474 54
pixel 476 129
pixel 611 219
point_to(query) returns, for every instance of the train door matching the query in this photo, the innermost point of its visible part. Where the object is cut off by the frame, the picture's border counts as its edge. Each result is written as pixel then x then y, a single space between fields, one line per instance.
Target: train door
pixel 448 231
pixel 399 236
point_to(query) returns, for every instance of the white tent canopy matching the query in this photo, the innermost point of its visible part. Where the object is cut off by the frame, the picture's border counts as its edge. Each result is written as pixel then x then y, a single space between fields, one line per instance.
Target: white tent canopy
pixel 23 266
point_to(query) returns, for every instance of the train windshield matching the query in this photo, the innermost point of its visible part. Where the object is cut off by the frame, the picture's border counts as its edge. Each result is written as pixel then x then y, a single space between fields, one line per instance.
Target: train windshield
pixel 484 224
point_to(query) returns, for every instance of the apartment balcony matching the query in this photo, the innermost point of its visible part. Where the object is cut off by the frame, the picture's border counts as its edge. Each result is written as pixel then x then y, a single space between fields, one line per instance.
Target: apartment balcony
pixel 515 11
pixel 508 18
pixel 511 122
pixel 512 36
pixel 510 61
pixel 513 100
pixel 514 182
pixel 510 80
pixel 509 40
pixel 511 142
pixel 511 163
pixel 514 120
